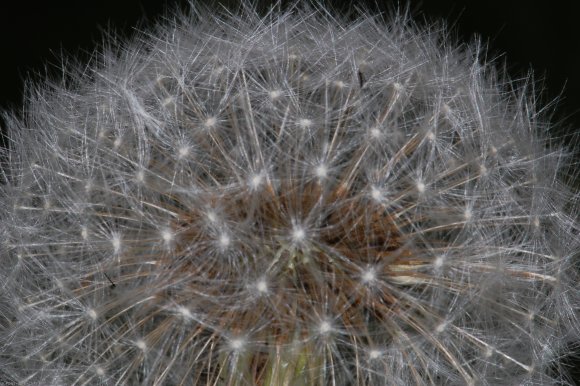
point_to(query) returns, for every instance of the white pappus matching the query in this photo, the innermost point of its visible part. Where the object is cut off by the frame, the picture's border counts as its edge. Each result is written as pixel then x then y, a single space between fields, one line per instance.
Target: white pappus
pixel 290 199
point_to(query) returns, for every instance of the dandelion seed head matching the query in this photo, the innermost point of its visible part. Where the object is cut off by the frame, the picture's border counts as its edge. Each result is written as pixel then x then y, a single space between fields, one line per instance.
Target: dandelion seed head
pixel 236 199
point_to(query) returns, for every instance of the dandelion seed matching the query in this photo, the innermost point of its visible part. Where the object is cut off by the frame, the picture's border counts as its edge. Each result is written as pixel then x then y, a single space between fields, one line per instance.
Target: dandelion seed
pixel 467 214
pixel 298 234
pixel 256 181
pixel 218 70
pixel 184 312
pixel 376 194
pixel 167 235
pixel 339 84
pixel 305 123
pixel 224 241
pixel 140 176
pixel 325 327
pixel 438 262
pixel 488 352
pixel 483 170
pixel 210 122
pixel 321 171
pixel 116 242
pixel 141 345
pixel 375 133
pixel 369 276
pixel 167 101
pixel 374 354
pixel 446 109
pixel 440 327
pixel 183 151
pixel 237 344
pixel 91 313
pixel 262 286
pixel 211 216
pixel 420 187
pixel 275 94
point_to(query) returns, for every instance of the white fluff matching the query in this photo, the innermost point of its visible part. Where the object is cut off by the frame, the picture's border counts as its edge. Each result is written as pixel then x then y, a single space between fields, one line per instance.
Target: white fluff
pixel 288 200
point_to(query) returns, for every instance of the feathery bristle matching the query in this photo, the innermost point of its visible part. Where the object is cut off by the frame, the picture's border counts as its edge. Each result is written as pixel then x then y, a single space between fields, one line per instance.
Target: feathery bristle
pixel 286 200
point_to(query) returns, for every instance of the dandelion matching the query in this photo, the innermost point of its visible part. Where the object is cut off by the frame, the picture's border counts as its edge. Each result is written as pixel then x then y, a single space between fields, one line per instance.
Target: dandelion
pixel 293 199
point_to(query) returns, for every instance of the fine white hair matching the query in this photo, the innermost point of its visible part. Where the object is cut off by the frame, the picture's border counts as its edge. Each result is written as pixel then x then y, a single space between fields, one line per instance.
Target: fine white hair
pixel 290 199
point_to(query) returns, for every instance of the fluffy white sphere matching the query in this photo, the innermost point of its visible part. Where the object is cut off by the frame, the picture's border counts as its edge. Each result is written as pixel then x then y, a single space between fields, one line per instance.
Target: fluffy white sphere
pixel 288 200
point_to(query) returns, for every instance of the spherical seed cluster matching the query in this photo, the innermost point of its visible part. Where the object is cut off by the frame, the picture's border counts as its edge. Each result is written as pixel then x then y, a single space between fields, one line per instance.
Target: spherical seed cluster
pixel 289 200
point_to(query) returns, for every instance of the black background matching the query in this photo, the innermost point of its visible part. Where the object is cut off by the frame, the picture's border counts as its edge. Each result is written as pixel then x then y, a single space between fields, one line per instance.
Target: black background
pixel 542 36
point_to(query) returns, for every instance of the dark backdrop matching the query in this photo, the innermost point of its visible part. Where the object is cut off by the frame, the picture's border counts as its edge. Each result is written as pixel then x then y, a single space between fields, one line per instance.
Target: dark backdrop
pixel 543 36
